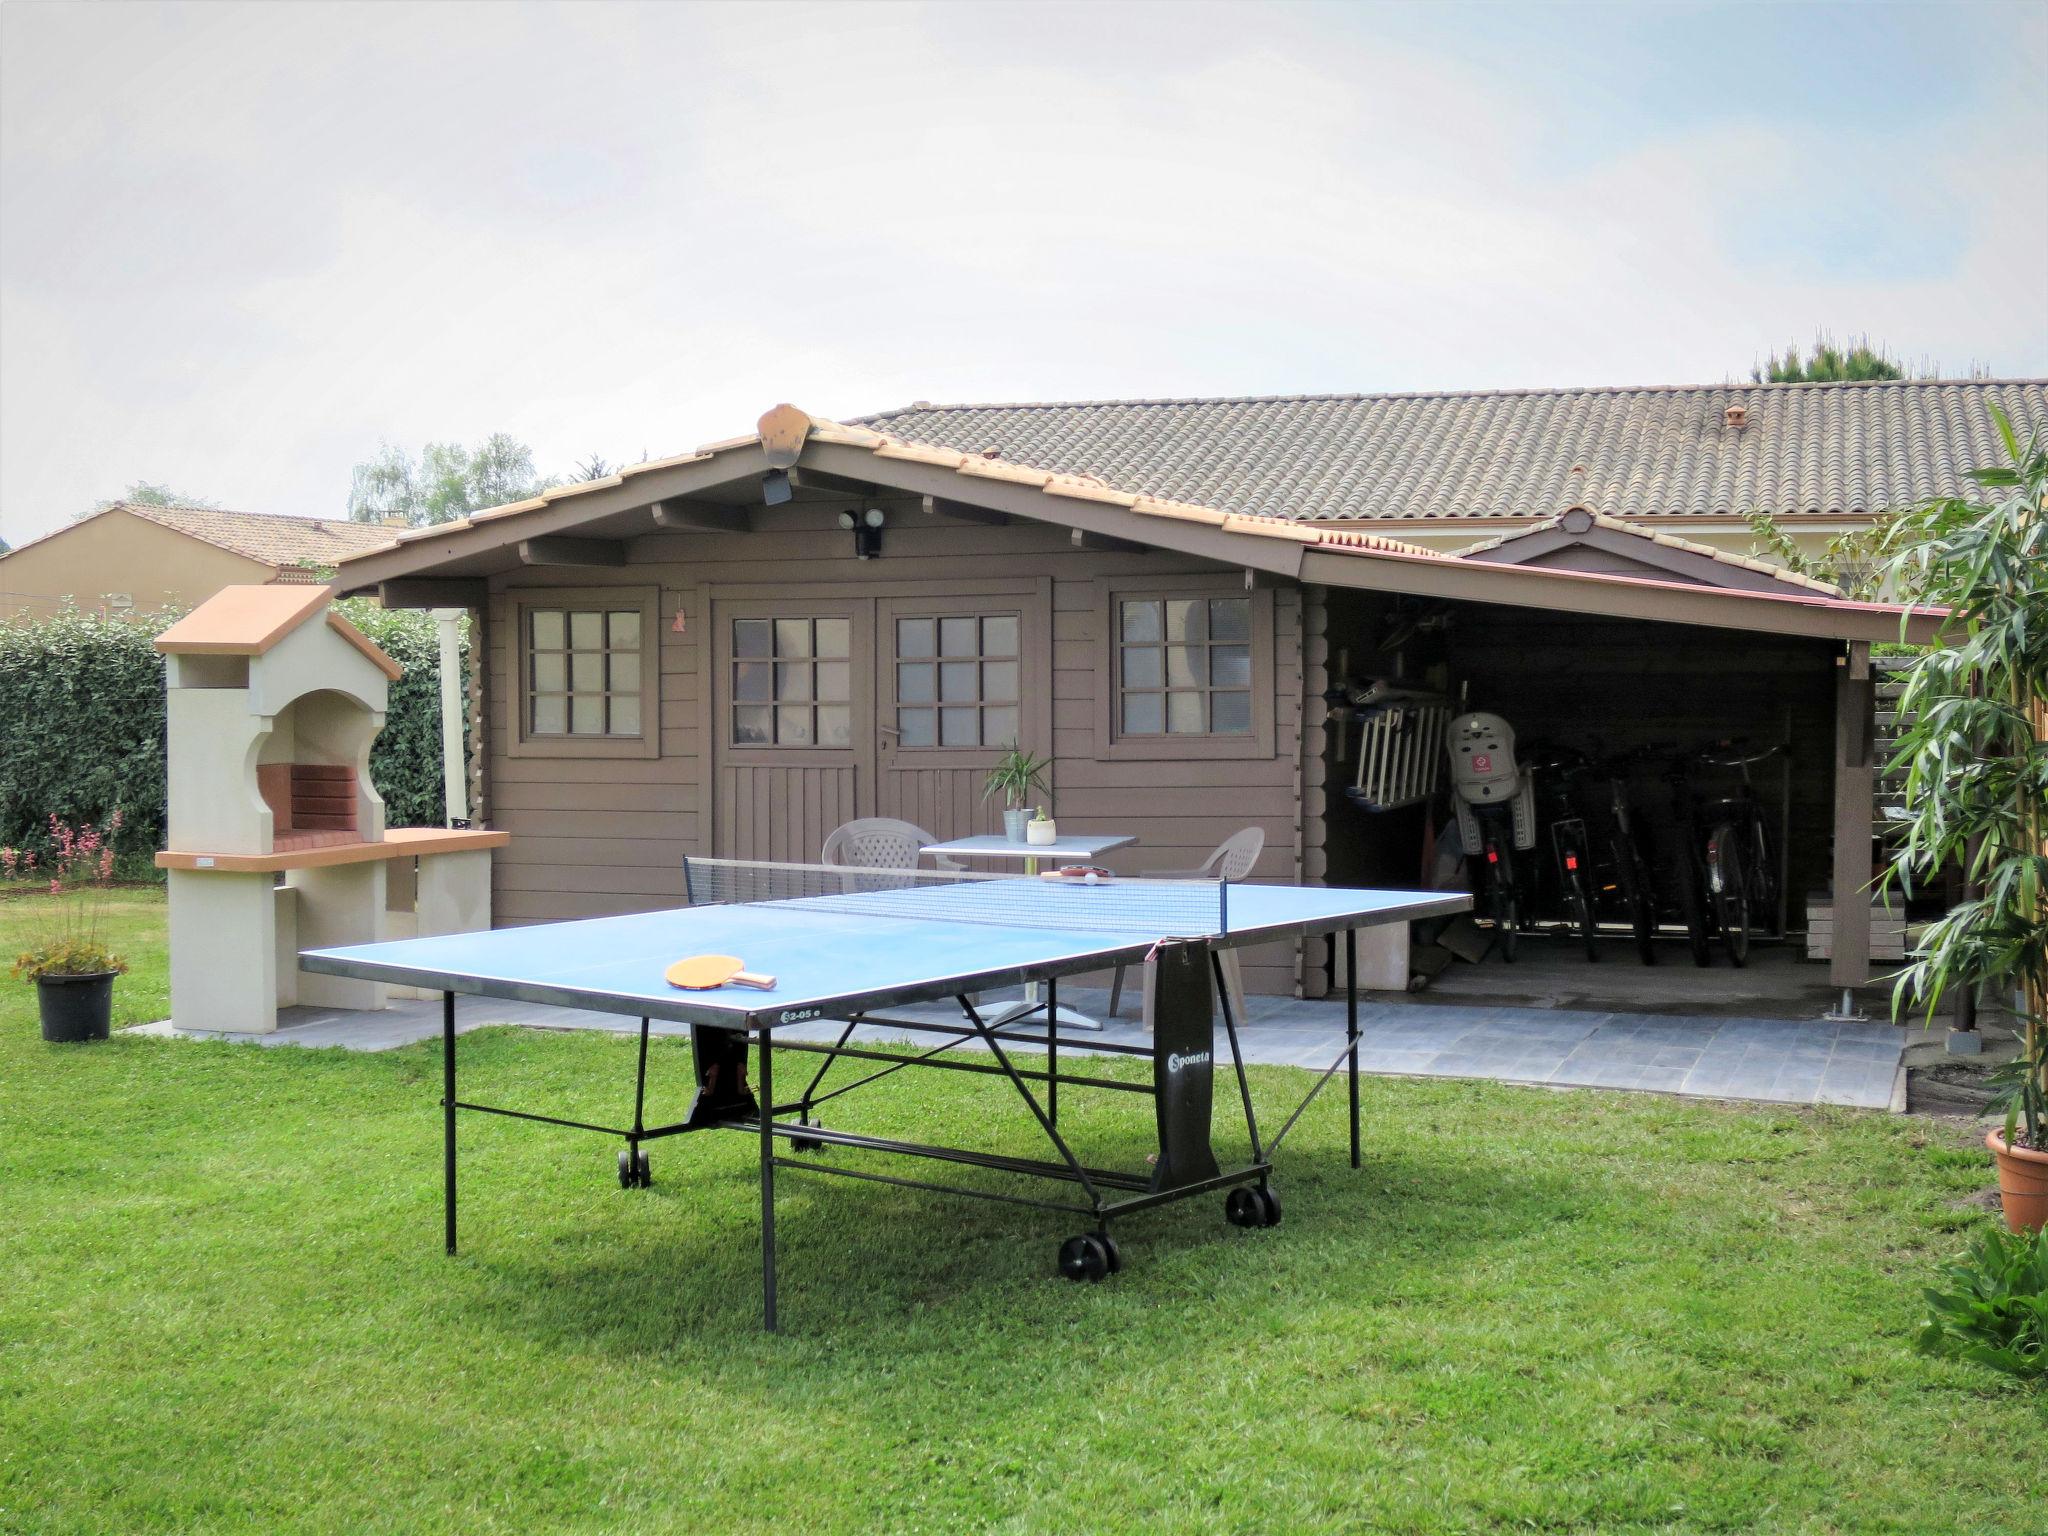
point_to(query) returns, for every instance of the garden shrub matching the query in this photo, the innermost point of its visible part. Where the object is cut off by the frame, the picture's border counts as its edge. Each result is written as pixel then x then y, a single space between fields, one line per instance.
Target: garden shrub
pixel 82 724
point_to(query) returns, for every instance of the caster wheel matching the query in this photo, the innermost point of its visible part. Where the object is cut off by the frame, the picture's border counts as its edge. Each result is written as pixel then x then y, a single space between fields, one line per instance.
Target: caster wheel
pixel 633 1170
pixel 1243 1207
pixel 1116 1257
pixel 1271 1202
pixel 1084 1258
pixel 807 1143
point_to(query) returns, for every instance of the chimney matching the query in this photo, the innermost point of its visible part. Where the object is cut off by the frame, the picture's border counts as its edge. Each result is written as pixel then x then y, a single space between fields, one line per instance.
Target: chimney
pixel 1736 416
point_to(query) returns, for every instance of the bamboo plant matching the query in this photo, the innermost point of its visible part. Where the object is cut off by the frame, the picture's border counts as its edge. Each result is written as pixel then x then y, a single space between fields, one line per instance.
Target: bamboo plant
pixel 1972 743
pixel 1015 776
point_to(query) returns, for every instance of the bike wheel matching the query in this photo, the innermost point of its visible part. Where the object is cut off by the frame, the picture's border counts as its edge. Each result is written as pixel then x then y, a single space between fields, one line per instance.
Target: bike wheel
pixel 1506 911
pixel 1731 901
pixel 1692 903
pixel 1580 901
pixel 1638 899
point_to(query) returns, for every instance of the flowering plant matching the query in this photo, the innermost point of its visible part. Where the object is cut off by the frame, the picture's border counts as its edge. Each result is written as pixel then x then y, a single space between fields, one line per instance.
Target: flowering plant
pixel 75 878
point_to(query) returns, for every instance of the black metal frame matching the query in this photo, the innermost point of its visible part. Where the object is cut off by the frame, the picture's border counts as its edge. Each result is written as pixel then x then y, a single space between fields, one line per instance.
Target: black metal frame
pixel 767 1120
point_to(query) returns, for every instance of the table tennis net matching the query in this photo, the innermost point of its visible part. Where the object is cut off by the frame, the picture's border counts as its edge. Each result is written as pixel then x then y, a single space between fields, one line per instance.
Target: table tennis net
pixel 1153 909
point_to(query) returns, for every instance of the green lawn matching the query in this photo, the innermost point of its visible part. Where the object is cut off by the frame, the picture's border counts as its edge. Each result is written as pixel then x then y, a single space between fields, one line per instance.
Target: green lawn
pixel 225 1308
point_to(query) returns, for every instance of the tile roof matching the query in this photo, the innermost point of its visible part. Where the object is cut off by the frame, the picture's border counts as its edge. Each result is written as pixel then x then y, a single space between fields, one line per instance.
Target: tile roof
pixel 1844 449
pixel 1666 540
pixel 267 537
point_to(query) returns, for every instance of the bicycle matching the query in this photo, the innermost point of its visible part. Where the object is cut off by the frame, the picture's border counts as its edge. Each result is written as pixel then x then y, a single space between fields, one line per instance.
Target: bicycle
pixel 1557 772
pixel 1731 868
pixel 1632 884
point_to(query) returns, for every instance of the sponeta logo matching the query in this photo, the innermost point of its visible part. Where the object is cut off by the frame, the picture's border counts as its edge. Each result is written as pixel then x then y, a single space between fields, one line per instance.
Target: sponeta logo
pixel 1176 1061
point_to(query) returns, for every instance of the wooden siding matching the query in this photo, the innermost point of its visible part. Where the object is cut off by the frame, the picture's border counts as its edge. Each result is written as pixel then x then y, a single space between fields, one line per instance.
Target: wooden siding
pixel 609 835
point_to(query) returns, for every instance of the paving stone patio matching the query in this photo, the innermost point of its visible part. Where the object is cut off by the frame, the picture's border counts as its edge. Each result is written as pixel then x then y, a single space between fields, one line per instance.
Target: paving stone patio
pixel 1781 1061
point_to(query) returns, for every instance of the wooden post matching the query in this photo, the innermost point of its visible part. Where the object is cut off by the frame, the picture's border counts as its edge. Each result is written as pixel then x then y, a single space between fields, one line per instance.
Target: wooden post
pixel 1855 724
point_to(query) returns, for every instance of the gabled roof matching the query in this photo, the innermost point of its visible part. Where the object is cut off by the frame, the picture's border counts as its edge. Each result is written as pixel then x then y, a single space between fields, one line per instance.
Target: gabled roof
pixel 1584 525
pixel 265 536
pixel 249 620
pixel 1805 449
pixel 647 498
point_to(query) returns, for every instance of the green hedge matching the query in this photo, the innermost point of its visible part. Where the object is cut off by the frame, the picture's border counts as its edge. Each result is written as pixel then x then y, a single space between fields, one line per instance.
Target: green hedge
pixel 82 724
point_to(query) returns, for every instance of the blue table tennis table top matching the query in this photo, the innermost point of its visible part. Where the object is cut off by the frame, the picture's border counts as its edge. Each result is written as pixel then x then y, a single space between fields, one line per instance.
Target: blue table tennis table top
pixel 830 959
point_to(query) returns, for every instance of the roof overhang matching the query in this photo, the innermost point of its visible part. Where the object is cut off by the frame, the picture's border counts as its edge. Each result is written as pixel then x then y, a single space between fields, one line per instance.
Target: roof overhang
pixel 723 479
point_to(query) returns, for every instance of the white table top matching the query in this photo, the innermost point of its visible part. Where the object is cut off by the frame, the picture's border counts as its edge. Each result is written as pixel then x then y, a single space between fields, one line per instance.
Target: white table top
pixel 994 845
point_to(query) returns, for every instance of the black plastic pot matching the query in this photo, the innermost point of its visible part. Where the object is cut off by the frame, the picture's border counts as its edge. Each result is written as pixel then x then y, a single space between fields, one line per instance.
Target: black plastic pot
pixel 76 1007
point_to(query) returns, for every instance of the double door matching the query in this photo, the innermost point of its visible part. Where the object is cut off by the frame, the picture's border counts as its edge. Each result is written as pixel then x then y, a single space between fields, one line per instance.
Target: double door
pixel 827 705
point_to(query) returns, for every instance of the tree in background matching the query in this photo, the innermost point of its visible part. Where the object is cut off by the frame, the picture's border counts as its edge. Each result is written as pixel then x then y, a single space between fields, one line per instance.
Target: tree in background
pixel 447 481
pixel 1855 561
pixel 596 467
pixel 1829 364
pixel 144 493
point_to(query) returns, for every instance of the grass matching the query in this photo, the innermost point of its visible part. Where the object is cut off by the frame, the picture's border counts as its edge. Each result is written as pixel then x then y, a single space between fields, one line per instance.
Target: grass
pixel 225 1309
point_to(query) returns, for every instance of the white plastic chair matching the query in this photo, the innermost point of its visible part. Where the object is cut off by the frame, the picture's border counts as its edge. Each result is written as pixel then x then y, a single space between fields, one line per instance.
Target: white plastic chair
pixel 1232 861
pixel 880 842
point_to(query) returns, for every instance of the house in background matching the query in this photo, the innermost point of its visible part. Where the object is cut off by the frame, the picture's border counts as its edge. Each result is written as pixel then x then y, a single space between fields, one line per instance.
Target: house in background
pixel 732 651
pixel 139 559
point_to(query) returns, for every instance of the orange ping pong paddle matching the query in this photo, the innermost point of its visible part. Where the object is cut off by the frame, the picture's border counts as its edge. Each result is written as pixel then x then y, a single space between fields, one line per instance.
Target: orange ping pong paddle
pixel 698 973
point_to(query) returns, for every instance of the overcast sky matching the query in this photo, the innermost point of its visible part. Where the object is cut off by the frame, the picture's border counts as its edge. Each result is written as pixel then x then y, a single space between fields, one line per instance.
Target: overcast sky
pixel 239 246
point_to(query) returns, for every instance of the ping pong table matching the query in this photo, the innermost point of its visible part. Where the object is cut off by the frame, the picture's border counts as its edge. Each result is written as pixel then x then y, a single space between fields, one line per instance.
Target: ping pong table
pixel 844 945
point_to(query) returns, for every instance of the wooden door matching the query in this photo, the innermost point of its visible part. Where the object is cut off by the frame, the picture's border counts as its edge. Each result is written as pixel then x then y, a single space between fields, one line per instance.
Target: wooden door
pixel 958 679
pixel 792 723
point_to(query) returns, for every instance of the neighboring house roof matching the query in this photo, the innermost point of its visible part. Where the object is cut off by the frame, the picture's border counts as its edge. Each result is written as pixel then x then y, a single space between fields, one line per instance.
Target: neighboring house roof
pixel 265 536
pixel 1579 523
pixel 1805 449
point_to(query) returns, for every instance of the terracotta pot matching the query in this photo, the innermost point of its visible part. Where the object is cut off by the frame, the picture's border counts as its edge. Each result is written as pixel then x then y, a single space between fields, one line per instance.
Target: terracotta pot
pixel 2022 1183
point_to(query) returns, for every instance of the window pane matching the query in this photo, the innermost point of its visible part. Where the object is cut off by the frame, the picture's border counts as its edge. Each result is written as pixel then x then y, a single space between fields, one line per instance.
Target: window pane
pixel 915 681
pixel 1144 714
pixel 1230 618
pixel 625 672
pixel 550 716
pixel 999 636
pixel 1230 665
pixel 1184 713
pixel 919 727
pixel 1186 666
pixel 792 680
pixel 998 727
pixel 625 714
pixel 1230 712
pixel 914 637
pixel 547 631
pixel 550 672
pixel 1142 667
pixel 793 725
pixel 960 727
pixel 753 681
pixel 999 680
pixel 752 725
pixel 958 637
pixel 1185 619
pixel 586 631
pixel 835 637
pixel 834 679
pixel 835 727
pixel 751 637
pixel 586 671
pixel 1141 621
pixel 586 715
pixel 959 680
pixel 624 631
pixel 792 637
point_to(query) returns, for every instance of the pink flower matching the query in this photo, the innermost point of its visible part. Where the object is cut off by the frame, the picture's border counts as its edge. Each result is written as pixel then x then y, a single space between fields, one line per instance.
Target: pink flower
pixel 56 887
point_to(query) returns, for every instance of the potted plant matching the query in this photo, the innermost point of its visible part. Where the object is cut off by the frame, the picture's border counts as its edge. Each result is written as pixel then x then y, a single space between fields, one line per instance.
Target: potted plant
pixel 67 957
pixel 1975 710
pixel 1015 776
pixel 1041 831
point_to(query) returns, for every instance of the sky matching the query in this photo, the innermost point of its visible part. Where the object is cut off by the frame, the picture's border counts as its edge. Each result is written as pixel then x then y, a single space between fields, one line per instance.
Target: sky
pixel 243 246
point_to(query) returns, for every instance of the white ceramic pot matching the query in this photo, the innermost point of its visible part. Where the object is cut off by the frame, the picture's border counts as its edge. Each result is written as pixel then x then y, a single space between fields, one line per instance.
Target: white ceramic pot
pixel 1042 834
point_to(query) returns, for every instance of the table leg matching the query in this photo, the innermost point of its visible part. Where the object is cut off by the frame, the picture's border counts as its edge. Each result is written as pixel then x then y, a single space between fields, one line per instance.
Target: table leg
pixel 1351 1028
pixel 448 1118
pixel 766 1089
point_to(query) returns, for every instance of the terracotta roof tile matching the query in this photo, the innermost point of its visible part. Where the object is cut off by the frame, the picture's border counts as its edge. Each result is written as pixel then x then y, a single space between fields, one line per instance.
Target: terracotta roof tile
pixel 268 537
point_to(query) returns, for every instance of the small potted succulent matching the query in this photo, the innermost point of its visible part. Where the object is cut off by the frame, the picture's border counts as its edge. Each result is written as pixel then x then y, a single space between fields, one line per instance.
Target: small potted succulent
pixel 68 958
pixel 1016 775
